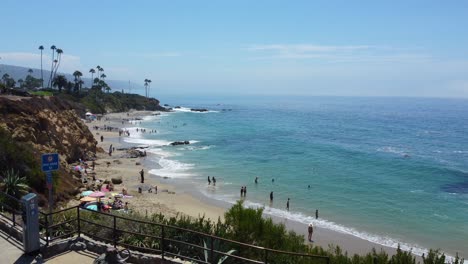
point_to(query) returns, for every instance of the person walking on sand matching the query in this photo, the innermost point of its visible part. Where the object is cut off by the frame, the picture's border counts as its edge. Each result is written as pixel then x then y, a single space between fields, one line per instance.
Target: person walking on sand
pixel 110 150
pixel 209 181
pixel 311 230
pixel 142 176
pixel 102 138
pixel 287 205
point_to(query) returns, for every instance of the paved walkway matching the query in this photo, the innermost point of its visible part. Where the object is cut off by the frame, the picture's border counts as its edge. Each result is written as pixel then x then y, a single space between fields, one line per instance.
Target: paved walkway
pixel 12 253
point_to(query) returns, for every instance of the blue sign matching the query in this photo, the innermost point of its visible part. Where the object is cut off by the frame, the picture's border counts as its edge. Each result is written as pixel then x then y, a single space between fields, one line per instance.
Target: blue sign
pixel 50 162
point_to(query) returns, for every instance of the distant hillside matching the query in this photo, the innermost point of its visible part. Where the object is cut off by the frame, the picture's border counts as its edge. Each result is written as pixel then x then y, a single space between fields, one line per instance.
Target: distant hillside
pixel 17 72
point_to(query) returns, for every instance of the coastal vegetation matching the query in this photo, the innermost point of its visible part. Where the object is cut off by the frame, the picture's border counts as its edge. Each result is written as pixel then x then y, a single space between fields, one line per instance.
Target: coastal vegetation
pixel 241 224
pixel 19 170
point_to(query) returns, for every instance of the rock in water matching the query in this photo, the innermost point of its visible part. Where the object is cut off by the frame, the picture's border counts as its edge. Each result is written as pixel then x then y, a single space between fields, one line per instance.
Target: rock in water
pixel 175 143
pixel 199 110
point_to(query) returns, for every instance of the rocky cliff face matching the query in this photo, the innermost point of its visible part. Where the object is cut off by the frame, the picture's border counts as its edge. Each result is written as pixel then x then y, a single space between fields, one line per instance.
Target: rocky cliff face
pixel 50 125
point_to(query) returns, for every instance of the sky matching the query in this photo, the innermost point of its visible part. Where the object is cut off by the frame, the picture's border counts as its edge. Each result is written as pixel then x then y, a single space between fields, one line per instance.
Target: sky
pixel 344 48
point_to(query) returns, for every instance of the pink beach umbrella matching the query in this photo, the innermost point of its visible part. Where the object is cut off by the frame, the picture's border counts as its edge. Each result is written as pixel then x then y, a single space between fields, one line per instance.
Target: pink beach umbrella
pixel 97 194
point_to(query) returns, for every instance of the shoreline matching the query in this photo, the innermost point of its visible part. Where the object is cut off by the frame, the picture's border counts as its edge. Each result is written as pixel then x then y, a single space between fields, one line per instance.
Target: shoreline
pixel 179 199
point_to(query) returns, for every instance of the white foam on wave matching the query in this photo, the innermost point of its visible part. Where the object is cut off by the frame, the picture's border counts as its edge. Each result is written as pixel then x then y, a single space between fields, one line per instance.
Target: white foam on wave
pixel 150 117
pixel 192 148
pixel 187 110
pixel 150 142
pixel 393 150
pixel 172 169
pixel 161 152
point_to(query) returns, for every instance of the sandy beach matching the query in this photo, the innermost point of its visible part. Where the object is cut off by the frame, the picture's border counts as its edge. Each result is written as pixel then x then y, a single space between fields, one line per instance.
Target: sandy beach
pixel 171 200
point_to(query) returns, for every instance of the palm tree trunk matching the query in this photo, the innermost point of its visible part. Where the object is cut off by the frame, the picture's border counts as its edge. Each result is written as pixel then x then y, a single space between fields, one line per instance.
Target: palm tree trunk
pixel 42 75
pixel 51 70
pixel 59 58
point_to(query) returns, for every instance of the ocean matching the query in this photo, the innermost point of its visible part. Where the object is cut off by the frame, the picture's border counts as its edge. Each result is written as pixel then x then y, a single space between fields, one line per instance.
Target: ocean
pixel 388 170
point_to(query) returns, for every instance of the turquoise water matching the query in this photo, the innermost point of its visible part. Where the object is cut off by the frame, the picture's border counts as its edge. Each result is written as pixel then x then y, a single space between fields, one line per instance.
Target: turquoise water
pixel 389 170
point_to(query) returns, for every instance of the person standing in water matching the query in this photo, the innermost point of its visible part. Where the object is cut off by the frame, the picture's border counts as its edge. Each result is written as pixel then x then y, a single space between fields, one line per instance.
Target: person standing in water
pixel 214 181
pixel 310 230
pixel 271 197
pixel 287 205
pixel 256 180
pixel 209 181
pixel 316 214
pixel 142 176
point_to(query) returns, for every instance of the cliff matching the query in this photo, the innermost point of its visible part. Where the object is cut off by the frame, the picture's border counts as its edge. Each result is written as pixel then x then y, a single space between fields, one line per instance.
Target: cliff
pixel 48 125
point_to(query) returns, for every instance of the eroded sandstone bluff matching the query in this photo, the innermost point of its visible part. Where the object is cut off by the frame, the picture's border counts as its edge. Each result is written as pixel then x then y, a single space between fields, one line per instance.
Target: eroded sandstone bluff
pixel 49 125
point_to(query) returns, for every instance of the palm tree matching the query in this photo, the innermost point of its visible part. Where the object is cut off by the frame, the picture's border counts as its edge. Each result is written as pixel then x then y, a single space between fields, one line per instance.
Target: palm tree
pixel 92 71
pixel 59 59
pixel 53 48
pixel 60 81
pixel 98 70
pixel 41 48
pixel 13 184
pixel 80 83
pixel 77 75
pixel 149 86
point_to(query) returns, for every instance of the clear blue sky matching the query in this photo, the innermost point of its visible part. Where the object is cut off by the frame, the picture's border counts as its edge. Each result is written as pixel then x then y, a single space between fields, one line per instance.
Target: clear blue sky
pixel 382 48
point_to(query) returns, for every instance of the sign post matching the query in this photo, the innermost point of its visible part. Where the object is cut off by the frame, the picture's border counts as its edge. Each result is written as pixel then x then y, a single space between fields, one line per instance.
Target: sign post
pixel 50 162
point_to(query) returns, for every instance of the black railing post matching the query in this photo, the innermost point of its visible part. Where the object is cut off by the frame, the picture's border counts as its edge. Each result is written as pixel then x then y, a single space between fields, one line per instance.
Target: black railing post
pixel 162 242
pixel 79 222
pixel 266 256
pixel 47 229
pixel 212 250
pixel 115 232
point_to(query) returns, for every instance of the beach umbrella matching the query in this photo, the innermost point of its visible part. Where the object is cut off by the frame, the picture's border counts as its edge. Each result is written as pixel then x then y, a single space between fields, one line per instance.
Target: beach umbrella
pixel 92 207
pixel 97 194
pixel 88 199
pixel 86 193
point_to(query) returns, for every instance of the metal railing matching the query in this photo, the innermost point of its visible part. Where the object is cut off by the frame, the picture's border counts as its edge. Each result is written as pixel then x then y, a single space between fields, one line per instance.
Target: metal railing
pixel 166 240
pixel 11 208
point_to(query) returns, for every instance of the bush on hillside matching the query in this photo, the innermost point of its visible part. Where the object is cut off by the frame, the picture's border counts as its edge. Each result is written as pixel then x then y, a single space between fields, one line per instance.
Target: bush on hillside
pixel 19 157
